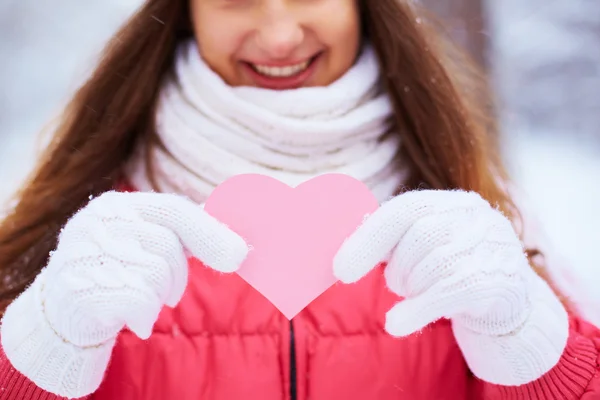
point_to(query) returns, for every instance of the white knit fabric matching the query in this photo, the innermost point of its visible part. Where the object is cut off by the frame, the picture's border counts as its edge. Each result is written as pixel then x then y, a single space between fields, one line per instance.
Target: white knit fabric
pixel 451 255
pixel 118 261
pixel 212 131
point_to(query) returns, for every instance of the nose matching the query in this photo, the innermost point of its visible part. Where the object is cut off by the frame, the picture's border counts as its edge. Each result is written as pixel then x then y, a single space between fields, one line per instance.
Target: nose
pixel 280 31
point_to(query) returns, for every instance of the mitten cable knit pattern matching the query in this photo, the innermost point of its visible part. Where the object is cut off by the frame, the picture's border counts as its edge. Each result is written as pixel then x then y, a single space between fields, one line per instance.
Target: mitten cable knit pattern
pixel 118 262
pixel 451 255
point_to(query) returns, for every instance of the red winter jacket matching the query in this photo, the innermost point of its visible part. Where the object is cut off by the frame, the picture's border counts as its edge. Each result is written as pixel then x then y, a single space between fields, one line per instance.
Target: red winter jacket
pixel 225 341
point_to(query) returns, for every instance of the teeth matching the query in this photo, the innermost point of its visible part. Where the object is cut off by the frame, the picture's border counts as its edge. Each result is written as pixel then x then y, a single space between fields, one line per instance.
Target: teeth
pixel 287 71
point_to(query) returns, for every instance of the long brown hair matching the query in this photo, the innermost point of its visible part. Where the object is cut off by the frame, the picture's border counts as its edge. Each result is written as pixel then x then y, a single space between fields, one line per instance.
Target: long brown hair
pixel 441 107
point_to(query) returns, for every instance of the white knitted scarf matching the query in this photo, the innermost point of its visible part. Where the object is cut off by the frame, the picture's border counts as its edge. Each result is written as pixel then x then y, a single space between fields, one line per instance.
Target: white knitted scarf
pixel 211 131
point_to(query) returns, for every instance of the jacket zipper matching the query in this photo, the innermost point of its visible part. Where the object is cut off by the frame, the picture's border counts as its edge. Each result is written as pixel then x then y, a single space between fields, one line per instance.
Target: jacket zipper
pixel 293 377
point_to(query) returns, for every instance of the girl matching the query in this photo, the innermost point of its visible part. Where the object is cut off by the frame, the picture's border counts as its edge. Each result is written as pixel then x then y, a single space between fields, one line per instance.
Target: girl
pixel 191 93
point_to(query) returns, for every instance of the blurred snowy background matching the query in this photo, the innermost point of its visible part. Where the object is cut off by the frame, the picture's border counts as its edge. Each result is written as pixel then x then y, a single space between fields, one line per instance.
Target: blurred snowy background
pixel 543 55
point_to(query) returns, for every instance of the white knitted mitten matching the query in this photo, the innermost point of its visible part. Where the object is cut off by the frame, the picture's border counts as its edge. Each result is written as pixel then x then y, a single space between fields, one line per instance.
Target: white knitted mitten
pixel 451 255
pixel 118 262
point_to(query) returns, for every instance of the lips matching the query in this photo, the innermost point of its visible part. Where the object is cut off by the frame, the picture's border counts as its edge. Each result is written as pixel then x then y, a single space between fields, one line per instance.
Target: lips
pixel 281 72
pixel 281 77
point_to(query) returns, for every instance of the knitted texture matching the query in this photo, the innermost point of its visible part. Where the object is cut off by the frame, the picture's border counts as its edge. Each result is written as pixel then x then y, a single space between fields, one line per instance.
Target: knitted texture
pixel 451 255
pixel 211 131
pixel 118 262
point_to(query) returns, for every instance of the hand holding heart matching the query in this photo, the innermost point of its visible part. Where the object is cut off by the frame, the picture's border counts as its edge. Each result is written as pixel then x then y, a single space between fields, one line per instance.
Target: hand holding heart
pixel 119 260
pixel 451 255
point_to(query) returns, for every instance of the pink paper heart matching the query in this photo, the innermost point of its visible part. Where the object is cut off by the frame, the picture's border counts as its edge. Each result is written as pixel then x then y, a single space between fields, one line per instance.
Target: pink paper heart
pixel 294 232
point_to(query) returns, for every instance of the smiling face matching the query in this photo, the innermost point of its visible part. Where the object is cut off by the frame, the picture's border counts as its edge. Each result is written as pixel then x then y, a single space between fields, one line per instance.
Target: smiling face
pixel 277 44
